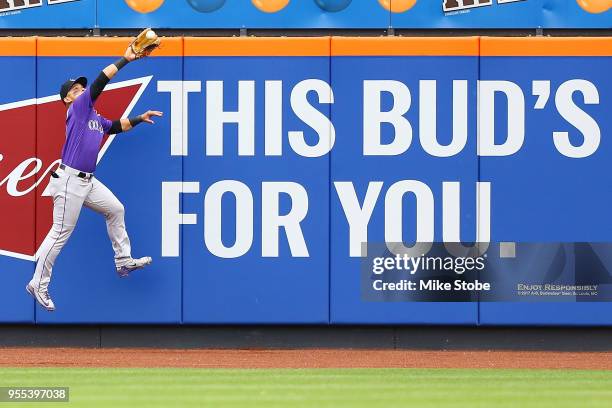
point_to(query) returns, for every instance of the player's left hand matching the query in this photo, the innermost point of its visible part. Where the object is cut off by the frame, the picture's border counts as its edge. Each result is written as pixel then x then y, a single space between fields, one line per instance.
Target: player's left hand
pixel 146 117
pixel 129 54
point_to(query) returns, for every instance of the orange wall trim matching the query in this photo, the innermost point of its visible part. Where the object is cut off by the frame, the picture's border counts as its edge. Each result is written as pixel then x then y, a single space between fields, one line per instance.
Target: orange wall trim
pixel 314 46
pixel 257 46
pixel 546 47
pixel 18 47
pixel 404 46
pixel 101 47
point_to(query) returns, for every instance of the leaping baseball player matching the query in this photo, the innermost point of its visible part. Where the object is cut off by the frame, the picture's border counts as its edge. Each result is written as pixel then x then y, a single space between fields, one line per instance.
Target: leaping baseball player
pixel 73 184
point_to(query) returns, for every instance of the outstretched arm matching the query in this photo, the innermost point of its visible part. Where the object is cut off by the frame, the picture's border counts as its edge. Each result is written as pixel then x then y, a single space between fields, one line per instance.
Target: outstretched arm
pixel 123 125
pixel 109 72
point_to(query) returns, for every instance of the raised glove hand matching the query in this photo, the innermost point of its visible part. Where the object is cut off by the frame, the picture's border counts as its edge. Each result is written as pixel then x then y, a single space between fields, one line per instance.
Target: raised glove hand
pixel 143 45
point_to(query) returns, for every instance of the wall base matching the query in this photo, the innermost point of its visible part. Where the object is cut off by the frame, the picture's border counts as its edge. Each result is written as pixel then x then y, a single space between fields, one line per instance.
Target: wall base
pixel 290 337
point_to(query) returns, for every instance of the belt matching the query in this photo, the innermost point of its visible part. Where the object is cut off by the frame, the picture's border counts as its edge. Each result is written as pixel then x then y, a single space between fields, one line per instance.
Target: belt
pixel 74 172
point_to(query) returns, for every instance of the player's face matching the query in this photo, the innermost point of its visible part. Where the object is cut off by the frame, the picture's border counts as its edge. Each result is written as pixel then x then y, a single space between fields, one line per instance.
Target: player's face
pixel 74 92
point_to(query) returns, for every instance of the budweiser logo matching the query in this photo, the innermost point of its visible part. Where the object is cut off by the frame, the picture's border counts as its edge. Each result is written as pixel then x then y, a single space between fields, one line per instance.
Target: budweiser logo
pixel 30 147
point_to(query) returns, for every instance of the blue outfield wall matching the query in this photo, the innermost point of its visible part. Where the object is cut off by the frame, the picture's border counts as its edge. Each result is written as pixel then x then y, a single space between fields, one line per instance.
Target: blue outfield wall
pixel 354 171
pixel 305 14
pixel 276 158
pixel 541 195
pixel 246 14
pixel 17 217
pixel 262 279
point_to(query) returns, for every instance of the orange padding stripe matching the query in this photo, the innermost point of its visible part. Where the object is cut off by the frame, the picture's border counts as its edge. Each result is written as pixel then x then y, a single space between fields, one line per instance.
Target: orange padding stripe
pixel 256 46
pixel 102 47
pixel 316 46
pixel 18 47
pixel 546 47
pixel 404 46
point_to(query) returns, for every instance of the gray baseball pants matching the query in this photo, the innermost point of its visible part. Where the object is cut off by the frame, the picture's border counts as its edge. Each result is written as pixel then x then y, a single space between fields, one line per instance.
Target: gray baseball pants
pixel 70 193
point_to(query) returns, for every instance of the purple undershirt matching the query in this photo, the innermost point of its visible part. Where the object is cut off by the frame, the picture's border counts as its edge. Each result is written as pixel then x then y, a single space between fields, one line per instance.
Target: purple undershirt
pixel 85 129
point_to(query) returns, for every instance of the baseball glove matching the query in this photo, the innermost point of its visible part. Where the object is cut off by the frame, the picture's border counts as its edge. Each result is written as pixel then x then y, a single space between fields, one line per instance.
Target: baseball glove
pixel 145 43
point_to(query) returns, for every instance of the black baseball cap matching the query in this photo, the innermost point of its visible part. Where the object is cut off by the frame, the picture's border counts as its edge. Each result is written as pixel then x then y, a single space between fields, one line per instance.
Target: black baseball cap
pixel 69 83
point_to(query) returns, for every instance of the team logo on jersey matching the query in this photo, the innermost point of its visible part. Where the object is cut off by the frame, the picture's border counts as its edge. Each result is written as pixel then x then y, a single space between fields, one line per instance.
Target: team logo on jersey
pixel 30 150
pixel 95 125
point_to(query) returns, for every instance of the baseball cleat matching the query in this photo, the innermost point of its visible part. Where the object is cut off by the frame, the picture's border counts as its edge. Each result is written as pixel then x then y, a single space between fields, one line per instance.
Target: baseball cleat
pixel 42 297
pixel 134 264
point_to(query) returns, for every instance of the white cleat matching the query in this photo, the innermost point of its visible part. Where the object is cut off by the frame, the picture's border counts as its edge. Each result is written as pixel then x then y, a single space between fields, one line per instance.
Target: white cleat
pixel 42 297
pixel 132 265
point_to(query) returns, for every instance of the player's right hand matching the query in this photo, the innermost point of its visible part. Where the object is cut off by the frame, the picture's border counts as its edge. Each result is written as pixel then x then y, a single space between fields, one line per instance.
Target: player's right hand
pixel 146 117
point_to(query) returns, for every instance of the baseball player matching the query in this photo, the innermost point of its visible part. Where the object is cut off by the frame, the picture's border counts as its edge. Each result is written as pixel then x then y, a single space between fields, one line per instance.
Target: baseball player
pixel 73 184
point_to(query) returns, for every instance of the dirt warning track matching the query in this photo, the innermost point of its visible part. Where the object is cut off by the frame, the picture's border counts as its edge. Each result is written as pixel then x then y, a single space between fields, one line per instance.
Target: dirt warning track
pixel 305 358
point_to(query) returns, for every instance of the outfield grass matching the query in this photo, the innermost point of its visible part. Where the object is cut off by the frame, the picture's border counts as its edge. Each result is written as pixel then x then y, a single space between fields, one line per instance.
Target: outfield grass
pixel 319 387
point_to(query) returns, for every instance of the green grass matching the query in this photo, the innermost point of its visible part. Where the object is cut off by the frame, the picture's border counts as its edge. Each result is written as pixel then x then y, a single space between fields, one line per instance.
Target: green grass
pixel 319 388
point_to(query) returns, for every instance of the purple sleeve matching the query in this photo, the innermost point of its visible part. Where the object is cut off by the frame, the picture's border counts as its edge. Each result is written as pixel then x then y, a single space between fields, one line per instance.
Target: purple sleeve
pixel 106 124
pixel 82 106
